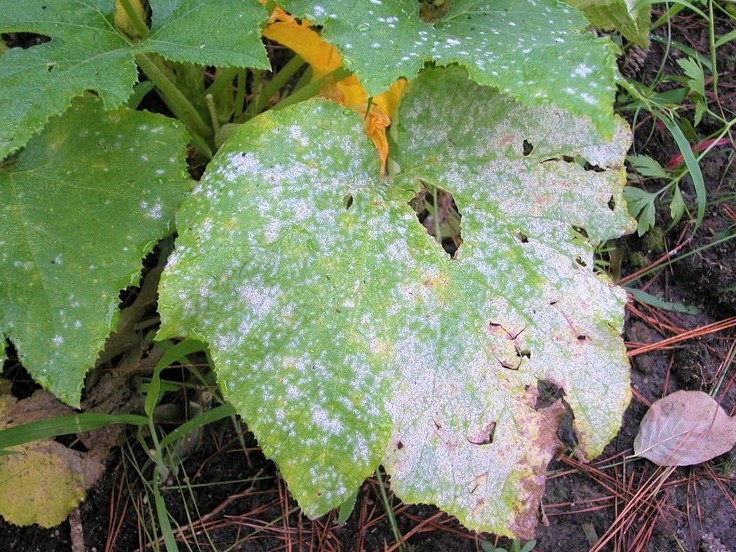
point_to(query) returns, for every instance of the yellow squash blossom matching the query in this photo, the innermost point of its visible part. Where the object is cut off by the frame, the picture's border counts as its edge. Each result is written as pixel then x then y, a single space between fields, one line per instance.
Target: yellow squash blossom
pixel 324 58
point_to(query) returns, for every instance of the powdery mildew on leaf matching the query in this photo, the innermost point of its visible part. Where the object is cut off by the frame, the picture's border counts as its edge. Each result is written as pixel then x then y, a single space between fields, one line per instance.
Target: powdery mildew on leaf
pixel 346 337
pixel 684 429
pixel 289 288
pixel 71 240
pixel 86 52
pixel 538 51
pixel 521 302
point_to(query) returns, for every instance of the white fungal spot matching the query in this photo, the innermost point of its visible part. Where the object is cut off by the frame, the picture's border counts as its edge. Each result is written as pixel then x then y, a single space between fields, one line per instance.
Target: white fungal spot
pixel 583 70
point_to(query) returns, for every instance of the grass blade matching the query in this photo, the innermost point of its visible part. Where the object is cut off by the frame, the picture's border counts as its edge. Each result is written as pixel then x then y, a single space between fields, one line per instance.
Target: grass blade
pixel 690 161
pixel 208 417
pixel 63 425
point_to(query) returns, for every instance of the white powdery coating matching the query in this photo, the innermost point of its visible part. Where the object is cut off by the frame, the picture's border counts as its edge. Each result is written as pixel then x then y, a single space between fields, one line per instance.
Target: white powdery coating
pixel 509 44
pixel 330 323
pixel 289 298
pixel 521 306
pixel 70 286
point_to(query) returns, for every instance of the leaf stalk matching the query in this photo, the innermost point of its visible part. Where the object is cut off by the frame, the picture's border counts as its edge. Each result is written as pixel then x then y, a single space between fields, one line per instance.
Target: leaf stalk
pixel 177 102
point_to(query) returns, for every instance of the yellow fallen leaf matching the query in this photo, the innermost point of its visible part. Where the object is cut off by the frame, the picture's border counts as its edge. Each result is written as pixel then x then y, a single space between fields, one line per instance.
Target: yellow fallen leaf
pixel 44 480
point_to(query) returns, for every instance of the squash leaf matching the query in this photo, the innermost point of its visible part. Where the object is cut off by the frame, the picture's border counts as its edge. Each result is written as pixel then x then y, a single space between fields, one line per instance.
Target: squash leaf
pixel 538 51
pixel 631 18
pixel 71 239
pixel 346 337
pixel 86 52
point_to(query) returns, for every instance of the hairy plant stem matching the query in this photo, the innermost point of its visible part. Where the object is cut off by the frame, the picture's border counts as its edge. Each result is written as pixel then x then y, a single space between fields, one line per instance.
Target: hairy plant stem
pixel 275 84
pixel 239 95
pixel 312 88
pixel 392 167
pixel 180 106
pixel 209 100
pixel 437 231
pixel 252 109
pixel 223 79
pixel 712 47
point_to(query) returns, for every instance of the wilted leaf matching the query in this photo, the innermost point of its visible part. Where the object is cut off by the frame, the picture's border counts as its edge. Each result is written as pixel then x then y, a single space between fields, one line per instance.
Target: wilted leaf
pixel 83 203
pixel 346 337
pixel 685 428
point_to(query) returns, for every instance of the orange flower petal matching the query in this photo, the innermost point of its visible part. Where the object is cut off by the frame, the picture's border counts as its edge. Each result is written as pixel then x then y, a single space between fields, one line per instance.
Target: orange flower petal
pixel 324 58
pixel 303 41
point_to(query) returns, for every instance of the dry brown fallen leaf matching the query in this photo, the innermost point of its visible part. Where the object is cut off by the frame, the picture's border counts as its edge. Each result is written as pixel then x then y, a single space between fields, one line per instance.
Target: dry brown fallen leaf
pixel 683 429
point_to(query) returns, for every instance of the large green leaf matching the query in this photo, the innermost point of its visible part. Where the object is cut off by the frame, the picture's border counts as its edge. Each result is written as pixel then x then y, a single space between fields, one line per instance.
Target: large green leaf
pixel 536 50
pixel 83 203
pixel 345 336
pixel 86 52
pixel 208 32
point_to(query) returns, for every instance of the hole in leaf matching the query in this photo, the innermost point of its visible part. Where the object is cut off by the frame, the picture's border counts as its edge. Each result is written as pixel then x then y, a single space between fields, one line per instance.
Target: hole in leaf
pixel 347 201
pixel 507 365
pixel 434 10
pixel 580 232
pixel 548 394
pixel 523 353
pixel 399 445
pixel 437 211
pixel 580 261
pixel 500 330
pixel 24 40
pixel 590 167
pixel 611 204
pixel 483 436
pixel 582 338
pixel 522 237
pixel 527 148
